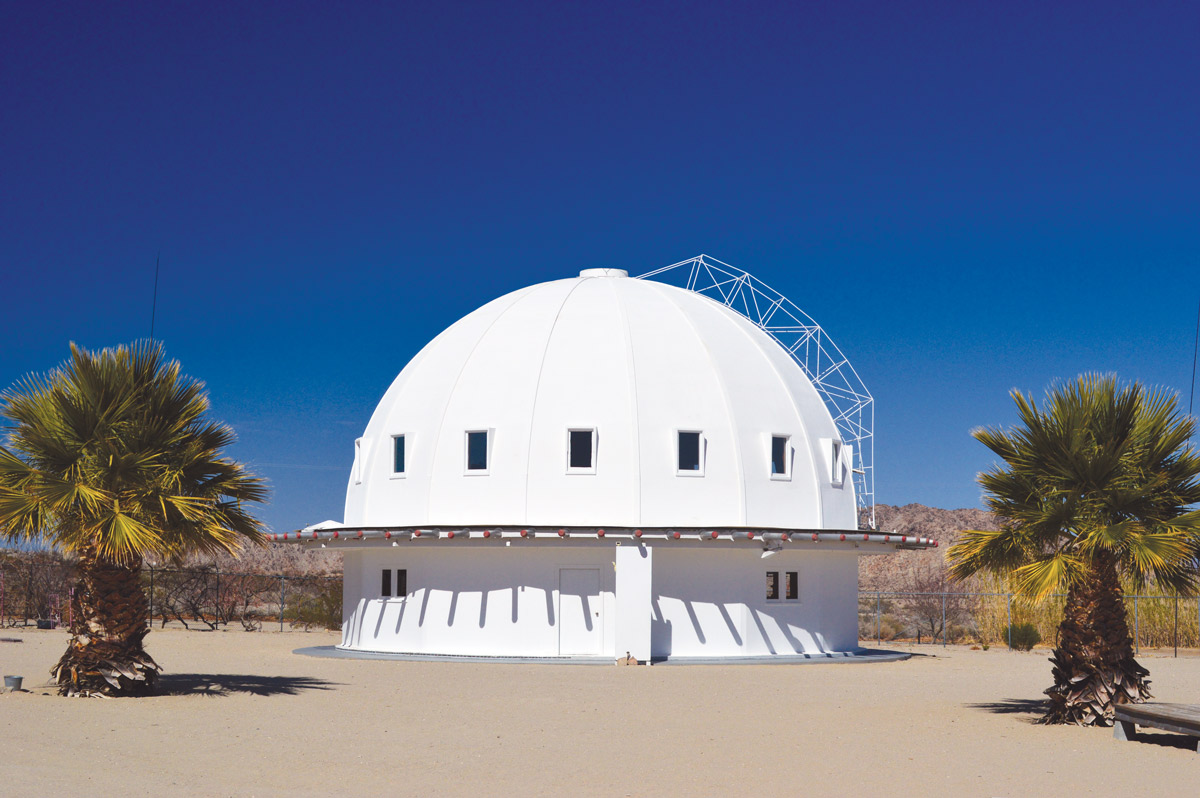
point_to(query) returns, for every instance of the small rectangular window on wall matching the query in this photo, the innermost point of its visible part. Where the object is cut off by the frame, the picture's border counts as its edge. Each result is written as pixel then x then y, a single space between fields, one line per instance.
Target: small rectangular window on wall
pixel 772 585
pixel 385 589
pixel 779 456
pixel 791 585
pixel 401 582
pixel 477 451
pixel 581 450
pixel 689 451
pixel 398 454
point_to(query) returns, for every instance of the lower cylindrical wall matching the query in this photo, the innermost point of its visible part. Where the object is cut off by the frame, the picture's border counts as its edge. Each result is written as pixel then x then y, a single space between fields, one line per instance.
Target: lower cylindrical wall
pixel 559 600
pixel 483 601
pixel 714 603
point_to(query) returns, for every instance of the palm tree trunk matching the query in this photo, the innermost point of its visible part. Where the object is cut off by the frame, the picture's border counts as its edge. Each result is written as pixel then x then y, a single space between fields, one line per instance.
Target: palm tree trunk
pixel 105 654
pixel 1094 668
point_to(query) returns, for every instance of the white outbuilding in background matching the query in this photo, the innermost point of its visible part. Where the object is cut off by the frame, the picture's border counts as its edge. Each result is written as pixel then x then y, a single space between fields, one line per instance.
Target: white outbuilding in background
pixel 601 466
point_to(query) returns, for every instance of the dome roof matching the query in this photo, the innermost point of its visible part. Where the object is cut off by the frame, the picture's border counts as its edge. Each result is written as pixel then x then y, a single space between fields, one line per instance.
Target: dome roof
pixel 683 413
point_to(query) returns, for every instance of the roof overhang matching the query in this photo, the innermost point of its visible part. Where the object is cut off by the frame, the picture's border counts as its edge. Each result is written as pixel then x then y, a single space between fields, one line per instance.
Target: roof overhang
pixel 325 534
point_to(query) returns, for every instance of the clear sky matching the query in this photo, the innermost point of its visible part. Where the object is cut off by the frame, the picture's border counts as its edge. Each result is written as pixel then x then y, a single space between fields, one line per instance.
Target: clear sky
pixel 970 197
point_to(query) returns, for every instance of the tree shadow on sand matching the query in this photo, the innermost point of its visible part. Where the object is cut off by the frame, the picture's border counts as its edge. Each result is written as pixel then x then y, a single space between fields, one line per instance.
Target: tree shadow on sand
pixel 223 684
pixel 1035 708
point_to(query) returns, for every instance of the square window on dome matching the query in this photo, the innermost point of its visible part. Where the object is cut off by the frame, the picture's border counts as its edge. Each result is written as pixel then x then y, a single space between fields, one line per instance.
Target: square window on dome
pixel 581 451
pixel 478 451
pixel 779 457
pixel 689 453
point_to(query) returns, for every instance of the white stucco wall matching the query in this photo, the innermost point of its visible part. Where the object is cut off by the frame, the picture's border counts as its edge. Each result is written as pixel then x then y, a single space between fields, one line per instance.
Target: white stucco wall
pixel 507 601
pixel 712 603
pixel 486 601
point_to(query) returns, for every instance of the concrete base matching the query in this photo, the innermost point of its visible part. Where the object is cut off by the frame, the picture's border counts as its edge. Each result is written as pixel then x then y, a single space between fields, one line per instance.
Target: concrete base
pixel 864 655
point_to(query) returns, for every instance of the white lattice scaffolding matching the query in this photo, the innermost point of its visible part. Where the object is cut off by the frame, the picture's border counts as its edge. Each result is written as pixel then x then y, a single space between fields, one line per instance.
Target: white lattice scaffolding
pixel 835 379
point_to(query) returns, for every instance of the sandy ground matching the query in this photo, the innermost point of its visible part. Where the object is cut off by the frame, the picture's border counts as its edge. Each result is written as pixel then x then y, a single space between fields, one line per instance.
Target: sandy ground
pixel 248 717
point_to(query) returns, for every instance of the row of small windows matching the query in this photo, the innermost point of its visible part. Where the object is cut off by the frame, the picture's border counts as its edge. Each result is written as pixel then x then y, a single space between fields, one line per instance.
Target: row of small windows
pixel 385 588
pixel 791 585
pixel 690 450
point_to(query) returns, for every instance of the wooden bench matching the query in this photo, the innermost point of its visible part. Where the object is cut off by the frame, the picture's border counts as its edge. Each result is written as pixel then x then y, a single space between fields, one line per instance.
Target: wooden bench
pixel 1182 718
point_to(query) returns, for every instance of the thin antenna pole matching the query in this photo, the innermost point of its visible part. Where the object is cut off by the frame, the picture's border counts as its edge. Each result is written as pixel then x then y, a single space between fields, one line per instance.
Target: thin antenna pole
pixel 1195 351
pixel 154 302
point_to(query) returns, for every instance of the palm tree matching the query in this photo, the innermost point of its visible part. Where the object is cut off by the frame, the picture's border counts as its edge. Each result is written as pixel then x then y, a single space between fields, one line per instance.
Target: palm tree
pixel 1095 486
pixel 110 458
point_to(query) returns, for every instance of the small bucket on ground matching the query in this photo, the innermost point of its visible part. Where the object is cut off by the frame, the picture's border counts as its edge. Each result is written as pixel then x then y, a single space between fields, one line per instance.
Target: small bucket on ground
pixel 13 683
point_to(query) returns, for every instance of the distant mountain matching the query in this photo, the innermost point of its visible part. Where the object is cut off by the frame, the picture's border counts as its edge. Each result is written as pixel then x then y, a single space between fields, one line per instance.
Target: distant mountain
pixel 908 570
pixel 941 525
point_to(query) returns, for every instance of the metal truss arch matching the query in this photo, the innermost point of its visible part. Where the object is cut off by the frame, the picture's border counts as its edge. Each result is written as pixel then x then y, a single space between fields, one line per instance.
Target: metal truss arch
pixel 836 381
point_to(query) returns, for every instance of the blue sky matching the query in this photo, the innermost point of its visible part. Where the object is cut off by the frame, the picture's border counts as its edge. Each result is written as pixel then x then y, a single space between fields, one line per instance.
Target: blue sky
pixel 970 197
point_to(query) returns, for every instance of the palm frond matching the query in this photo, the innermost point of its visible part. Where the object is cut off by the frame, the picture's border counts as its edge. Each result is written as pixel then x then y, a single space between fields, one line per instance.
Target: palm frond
pixel 112 452
pixel 1098 469
pixel 1040 579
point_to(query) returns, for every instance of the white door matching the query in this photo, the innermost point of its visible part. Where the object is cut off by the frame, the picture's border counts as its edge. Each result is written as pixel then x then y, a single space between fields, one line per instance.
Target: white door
pixel 580 618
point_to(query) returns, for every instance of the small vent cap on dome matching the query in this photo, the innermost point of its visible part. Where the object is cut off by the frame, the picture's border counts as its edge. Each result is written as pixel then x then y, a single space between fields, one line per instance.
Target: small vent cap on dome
pixel 604 273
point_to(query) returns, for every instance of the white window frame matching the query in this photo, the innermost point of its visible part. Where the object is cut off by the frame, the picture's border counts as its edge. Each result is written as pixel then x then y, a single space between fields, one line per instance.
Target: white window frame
pixel 778 585
pixel 703 453
pixel 595 450
pixel 407 452
pixel 783 591
pixel 477 472
pixel 360 456
pixel 834 452
pixel 788 456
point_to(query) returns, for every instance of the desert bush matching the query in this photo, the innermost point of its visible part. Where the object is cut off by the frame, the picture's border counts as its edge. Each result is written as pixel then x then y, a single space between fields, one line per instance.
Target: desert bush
pixel 958 634
pixel 317 603
pixel 33 585
pixel 1023 636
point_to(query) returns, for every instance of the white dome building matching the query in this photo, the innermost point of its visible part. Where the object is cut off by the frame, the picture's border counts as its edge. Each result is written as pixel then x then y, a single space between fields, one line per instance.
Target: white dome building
pixel 598 466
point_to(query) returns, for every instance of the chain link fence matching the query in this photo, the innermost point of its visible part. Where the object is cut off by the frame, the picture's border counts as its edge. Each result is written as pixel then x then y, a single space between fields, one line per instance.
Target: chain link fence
pixel 989 618
pixel 37 589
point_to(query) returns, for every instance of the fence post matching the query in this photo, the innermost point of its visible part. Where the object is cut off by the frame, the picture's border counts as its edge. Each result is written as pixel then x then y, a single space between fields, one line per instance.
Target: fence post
pixel 878 630
pixel 943 620
pixel 28 592
pixel 1010 621
pixel 151 596
pixel 282 594
pixel 217 600
pixel 1136 650
pixel 1176 624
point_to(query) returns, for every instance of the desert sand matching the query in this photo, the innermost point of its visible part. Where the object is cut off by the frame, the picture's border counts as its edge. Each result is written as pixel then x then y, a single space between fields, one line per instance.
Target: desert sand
pixel 246 716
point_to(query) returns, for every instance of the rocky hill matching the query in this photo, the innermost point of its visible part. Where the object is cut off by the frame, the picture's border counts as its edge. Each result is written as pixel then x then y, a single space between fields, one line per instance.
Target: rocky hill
pixel 917 570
